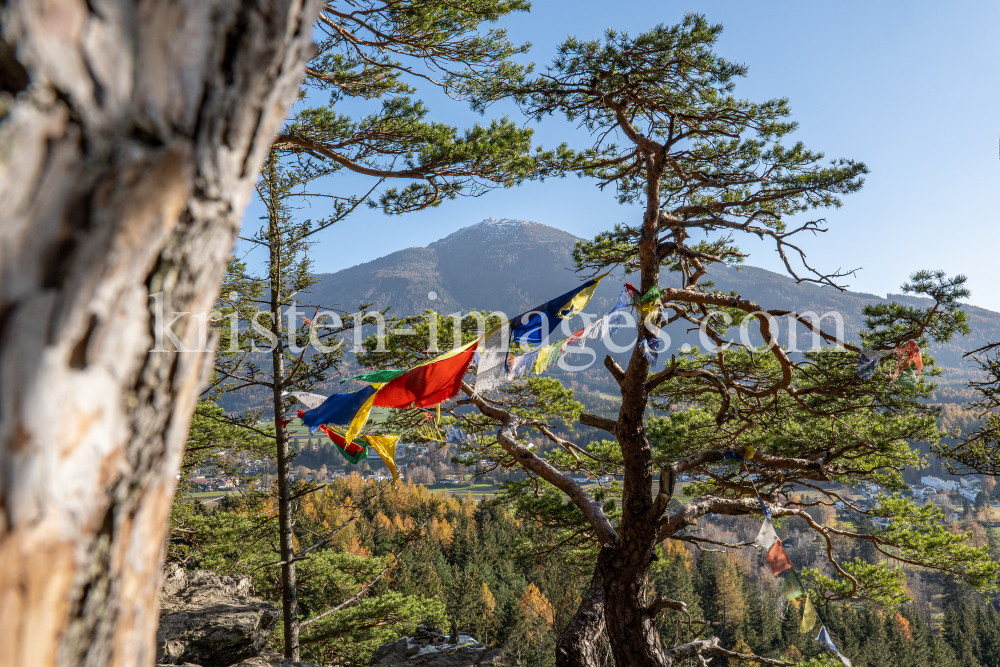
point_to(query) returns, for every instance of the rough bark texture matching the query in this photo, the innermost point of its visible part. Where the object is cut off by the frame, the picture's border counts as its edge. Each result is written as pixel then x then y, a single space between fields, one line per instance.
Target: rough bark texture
pixel 130 137
pixel 579 643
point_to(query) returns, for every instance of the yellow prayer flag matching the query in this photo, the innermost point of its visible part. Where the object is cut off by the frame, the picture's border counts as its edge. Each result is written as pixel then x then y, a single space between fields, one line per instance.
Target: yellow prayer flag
pixel 385 447
pixel 581 299
pixel 808 616
pixel 361 417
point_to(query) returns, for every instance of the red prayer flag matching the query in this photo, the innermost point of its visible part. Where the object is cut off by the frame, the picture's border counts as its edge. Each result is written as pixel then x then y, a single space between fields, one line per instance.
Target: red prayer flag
pixel 301 414
pixel 427 385
pixel 352 449
pixel 283 422
pixel 777 559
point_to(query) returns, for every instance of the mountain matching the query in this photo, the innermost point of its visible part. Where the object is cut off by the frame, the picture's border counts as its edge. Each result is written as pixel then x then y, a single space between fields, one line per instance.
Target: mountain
pixel 513 265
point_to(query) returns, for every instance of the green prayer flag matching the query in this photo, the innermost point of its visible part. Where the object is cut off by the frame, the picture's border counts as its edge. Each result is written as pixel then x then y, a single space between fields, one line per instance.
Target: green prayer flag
pixel 652 294
pixel 908 380
pixel 808 616
pixel 375 376
pixel 792 588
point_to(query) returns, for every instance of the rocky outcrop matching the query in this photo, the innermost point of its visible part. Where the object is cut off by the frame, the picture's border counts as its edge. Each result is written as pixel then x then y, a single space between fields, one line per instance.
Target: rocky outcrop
pixel 210 620
pixel 429 647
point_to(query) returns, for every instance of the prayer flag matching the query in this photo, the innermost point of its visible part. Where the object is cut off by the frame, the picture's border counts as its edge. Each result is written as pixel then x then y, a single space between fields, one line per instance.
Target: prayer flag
pixel 908 380
pixel 430 383
pixel 354 452
pixel 764 508
pixel 867 364
pixel 908 354
pixel 616 317
pixel 537 324
pixel 766 538
pixel 808 616
pixel 792 587
pixel 824 640
pixel 546 356
pixel 492 370
pixel 385 447
pixel 282 423
pixel 375 376
pixel 340 409
pixel 361 417
pixel 307 399
pixel 777 560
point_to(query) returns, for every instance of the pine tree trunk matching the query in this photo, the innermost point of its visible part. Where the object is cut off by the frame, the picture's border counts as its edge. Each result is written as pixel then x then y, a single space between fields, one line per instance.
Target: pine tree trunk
pixel 625 567
pixel 286 539
pixel 131 134
pixel 579 643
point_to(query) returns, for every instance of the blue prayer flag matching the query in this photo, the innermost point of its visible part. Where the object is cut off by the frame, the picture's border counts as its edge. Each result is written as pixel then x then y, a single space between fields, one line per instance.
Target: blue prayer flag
pixel 537 324
pixel 339 409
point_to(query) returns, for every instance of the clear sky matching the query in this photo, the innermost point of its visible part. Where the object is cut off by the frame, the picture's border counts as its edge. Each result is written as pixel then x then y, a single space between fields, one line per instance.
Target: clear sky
pixel 909 88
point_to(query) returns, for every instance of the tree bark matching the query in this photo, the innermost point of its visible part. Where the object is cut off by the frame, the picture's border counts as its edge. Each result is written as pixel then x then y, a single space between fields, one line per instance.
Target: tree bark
pixel 631 627
pixel 286 539
pixel 130 137
pixel 579 643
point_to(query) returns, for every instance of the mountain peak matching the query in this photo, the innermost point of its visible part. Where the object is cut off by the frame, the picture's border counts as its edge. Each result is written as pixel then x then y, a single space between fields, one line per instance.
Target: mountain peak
pixel 502 230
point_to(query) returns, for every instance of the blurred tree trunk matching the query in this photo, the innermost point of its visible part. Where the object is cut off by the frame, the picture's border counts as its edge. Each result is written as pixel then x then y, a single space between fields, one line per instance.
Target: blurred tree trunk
pixel 130 138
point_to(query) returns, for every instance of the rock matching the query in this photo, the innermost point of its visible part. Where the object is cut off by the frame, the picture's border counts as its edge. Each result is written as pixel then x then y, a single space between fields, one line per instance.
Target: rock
pixel 211 620
pixel 427 648
pixel 271 658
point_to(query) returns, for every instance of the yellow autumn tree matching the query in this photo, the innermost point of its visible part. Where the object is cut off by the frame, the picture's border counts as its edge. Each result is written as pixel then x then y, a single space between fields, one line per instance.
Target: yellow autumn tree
pixel 536 606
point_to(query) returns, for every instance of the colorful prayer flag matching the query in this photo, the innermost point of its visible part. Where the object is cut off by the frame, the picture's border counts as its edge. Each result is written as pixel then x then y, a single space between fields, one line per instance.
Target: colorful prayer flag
pixel 764 508
pixel 808 616
pixel 361 417
pixel 385 447
pixel 824 640
pixel 777 560
pixel 908 380
pixel 867 364
pixel 908 354
pixel 354 452
pixel 340 409
pixel 375 376
pixel 537 324
pixel 766 538
pixel 792 587
pixel 430 383
pixel 492 370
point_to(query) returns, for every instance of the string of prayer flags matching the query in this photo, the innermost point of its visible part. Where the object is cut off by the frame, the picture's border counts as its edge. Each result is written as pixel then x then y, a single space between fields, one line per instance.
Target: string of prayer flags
pixel 808 616
pixel 430 383
pixel 339 409
pixel 777 560
pixel 307 399
pixel 824 640
pixel 792 587
pixel 537 324
pixel 356 451
pixel 868 364
pixel 907 355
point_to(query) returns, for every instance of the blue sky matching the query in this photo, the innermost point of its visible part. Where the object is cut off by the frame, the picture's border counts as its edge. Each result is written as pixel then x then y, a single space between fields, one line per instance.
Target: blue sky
pixel 909 88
